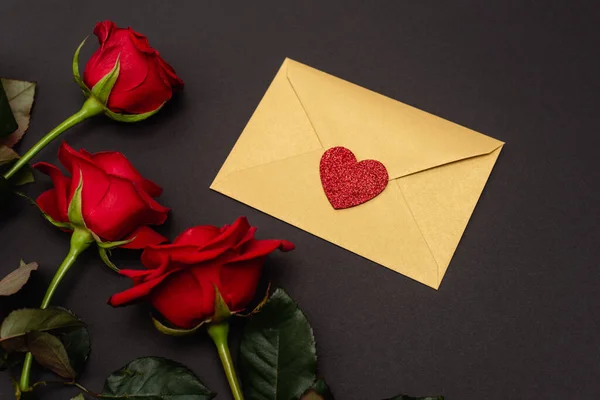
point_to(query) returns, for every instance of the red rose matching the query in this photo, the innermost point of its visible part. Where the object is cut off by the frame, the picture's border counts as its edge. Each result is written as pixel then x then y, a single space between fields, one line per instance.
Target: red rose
pixel 145 80
pixel 180 276
pixel 116 201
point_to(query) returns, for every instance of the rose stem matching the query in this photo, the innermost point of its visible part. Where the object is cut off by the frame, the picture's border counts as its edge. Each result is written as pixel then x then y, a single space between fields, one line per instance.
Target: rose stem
pixel 90 108
pixel 218 332
pixel 80 240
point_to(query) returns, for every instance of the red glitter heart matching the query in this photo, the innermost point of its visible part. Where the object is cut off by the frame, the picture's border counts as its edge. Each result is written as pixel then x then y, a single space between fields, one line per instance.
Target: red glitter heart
pixel 348 183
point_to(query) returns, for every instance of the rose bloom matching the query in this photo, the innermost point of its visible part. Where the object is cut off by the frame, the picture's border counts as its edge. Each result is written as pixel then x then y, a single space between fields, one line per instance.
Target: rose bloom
pixel 116 201
pixel 145 80
pixel 181 277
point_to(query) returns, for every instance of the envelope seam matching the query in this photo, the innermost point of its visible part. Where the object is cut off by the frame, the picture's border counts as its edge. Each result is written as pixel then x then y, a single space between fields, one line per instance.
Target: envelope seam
pixel 420 231
pixel 303 108
pixel 448 163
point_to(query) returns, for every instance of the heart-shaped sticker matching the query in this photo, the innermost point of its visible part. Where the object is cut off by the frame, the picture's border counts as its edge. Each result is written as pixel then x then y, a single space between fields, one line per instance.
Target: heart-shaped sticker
pixel 348 183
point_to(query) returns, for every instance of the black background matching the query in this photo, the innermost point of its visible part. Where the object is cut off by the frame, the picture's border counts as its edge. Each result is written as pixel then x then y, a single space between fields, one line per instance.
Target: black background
pixel 516 316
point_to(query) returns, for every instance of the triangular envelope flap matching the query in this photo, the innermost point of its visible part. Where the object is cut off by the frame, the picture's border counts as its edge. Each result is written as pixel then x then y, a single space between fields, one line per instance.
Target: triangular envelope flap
pixel 278 129
pixel 443 199
pixel 403 138
pixel 382 230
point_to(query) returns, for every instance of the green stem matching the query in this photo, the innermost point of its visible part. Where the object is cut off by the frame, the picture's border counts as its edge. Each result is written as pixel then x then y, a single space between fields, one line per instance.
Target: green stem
pixel 218 332
pixel 90 108
pixel 80 240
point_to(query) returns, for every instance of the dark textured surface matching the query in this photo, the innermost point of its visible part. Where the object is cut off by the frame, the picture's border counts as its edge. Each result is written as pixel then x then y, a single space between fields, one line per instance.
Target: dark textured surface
pixel 517 314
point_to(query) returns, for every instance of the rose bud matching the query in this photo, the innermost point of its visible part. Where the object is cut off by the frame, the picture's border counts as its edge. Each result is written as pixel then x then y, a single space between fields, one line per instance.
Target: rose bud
pixel 105 198
pixel 182 279
pixel 145 81
pixel 125 79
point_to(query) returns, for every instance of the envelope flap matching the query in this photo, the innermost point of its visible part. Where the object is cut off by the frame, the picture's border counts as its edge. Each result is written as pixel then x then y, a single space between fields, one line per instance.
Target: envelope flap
pixel 278 129
pixel 405 139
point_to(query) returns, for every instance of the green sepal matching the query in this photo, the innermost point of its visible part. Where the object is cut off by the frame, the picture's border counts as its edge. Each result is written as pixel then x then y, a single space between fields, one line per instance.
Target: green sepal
pixel 61 225
pixel 103 87
pixel 76 76
pixel 74 212
pixel 167 330
pixel 222 312
pixel 258 306
pixel 104 256
pixel 130 117
pixel 111 245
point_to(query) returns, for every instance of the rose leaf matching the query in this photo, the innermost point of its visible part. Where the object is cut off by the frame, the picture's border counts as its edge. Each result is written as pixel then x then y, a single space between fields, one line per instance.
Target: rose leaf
pixel 8 123
pixel 21 322
pixel 155 378
pixel 277 351
pixel 20 96
pixel 78 346
pixel 50 352
pixel 14 281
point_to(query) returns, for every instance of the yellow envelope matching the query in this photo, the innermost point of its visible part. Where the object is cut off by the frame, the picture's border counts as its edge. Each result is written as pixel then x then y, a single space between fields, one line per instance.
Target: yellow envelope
pixel 437 170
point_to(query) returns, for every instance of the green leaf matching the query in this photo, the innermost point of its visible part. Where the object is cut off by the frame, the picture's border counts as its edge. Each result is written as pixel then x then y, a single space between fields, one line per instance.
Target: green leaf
pixel 78 397
pixel 405 397
pixel 8 124
pixel 76 75
pixel 20 322
pixel 318 391
pixel 155 378
pixel 78 347
pixel 277 352
pixel 23 176
pixel 7 155
pixel 131 117
pixel 14 281
pixel 103 87
pixel 49 351
pixel 21 95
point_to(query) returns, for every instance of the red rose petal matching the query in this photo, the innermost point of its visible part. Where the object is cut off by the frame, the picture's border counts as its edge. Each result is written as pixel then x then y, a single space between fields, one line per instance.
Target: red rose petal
pixel 230 235
pixel 174 80
pixel 136 292
pixel 61 185
pixel 260 248
pixel 48 204
pixel 116 164
pixel 144 236
pixel 120 211
pixel 239 281
pixel 148 95
pixel 179 300
pixel 102 30
pixel 197 236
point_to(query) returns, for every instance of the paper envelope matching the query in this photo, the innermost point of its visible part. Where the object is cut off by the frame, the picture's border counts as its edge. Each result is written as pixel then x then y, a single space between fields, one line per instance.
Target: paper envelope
pixel 437 170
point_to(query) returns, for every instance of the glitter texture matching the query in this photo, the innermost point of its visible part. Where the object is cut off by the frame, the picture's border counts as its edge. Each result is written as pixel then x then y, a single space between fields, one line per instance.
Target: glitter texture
pixel 348 183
